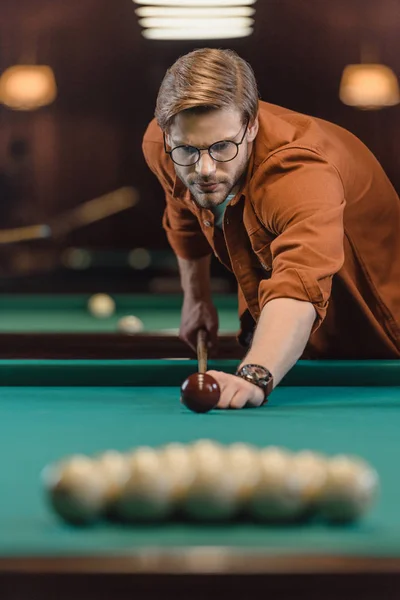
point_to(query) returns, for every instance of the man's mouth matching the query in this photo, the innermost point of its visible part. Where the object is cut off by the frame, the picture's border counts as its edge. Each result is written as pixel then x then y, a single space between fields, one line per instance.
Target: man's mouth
pixel 208 187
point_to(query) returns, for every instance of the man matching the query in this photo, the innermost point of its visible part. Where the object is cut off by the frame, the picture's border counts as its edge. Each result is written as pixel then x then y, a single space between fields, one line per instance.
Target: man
pixel 298 208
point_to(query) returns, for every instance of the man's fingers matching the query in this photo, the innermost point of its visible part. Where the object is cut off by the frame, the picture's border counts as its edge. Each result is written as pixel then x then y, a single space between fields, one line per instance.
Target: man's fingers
pixel 239 399
pixel 231 396
pixel 225 398
pixel 191 340
pixel 226 385
pixel 222 379
pixel 236 392
pixel 255 402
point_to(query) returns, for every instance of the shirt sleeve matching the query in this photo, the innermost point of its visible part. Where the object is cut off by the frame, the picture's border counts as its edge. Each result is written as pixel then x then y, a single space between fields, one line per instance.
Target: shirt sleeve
pixel 180 223
pixel 300 199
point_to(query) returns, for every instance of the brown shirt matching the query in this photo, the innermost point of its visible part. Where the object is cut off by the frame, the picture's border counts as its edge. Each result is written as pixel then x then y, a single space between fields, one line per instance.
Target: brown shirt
pixel 316 220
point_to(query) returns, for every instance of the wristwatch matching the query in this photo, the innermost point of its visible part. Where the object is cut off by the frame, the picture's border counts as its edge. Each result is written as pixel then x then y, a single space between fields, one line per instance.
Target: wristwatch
pixel 259 376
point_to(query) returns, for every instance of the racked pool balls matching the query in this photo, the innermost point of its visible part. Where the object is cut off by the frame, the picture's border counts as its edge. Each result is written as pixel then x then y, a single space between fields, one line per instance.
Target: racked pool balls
pixel 200 392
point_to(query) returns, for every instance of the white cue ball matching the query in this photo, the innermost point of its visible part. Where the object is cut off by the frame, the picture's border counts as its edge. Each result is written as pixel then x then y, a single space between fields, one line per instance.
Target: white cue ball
pixel 101 306
pixel 148 493
pixel 211 496
pixel 76 489
pixel 130 324
pixel 277 497
pixel 351 487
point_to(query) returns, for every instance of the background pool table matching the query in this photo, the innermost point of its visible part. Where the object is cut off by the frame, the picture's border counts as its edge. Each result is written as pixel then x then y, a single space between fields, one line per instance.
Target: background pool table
pixel 60 326
pixel 49 409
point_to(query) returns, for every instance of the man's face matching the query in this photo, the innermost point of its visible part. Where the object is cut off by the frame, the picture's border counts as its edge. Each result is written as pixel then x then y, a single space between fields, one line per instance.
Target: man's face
pixel 210 181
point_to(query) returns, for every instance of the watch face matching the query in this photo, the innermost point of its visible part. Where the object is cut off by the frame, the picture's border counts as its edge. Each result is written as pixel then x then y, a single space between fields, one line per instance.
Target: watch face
pixel 255 371
pixel 258 375
pixel 259 372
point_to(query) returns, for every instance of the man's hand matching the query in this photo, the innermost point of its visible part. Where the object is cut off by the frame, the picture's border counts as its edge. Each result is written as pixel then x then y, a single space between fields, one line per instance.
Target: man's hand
pixel 198 314
pixel 236 392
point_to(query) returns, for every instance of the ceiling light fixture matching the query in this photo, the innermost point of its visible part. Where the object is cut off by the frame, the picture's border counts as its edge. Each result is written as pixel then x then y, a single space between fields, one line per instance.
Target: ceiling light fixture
pixel 195 19
pixel 369 86
pixel 27 87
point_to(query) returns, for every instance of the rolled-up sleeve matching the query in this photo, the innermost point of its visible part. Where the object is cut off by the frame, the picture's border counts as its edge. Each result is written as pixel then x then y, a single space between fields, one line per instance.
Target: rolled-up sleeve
pixel 300 198
pixel 180 223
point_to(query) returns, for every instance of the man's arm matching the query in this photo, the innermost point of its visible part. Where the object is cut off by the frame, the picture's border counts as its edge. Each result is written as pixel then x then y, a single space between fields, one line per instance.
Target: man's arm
pixel 281 335
pixel 198 310
pixel 195 277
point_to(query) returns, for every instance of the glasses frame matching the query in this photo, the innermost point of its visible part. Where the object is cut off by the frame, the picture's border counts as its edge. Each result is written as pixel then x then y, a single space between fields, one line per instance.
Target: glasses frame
pixel 199 150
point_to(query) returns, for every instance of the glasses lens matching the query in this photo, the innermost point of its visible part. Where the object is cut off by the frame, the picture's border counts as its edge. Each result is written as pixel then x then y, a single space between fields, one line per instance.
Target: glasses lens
pixel 189 155
pixel 185 155
pixel 224 151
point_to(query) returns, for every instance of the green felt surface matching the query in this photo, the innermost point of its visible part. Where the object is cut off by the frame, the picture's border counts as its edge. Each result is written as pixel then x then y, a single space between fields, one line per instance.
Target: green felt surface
pixel 64 313
pixel 41 424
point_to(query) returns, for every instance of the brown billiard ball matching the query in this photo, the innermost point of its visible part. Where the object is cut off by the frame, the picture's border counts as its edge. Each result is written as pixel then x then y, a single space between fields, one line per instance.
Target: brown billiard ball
pixel 200 392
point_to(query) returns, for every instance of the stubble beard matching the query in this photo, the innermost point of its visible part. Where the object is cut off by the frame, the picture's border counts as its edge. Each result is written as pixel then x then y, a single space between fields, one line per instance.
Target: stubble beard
pixel 211 199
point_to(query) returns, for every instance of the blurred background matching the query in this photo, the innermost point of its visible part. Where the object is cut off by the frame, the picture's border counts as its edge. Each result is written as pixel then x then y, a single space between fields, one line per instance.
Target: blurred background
pixel 78 87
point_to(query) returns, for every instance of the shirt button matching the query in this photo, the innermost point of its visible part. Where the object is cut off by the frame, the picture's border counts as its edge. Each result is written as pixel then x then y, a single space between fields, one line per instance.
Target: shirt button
pixel 207 223
pixel 266 267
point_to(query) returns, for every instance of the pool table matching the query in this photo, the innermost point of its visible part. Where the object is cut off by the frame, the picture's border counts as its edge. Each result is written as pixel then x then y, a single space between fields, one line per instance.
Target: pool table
pixel 60 326
pixel 53 408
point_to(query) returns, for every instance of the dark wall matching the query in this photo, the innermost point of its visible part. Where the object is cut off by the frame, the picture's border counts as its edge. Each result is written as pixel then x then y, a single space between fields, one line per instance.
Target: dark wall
pixel 89 141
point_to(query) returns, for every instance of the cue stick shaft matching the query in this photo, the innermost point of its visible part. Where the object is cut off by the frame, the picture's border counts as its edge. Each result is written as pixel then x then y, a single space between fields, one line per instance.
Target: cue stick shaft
pixel 202 350
pixel 22 234
pixel 94 210
pixel 84 214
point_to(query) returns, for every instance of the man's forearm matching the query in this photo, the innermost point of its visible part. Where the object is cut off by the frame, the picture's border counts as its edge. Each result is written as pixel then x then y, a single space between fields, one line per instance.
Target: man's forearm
pixel 195 277
pixel 281 335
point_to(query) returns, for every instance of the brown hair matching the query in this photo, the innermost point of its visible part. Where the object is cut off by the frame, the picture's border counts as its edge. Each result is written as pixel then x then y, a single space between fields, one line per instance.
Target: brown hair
pixel 207 79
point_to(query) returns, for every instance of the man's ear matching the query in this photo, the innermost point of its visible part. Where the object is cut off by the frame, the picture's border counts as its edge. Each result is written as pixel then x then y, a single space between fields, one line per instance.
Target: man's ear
pixel 252 130
pixel 167 138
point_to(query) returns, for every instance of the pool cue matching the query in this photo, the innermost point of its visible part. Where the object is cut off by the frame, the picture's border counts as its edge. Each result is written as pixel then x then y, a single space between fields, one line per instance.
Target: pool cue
pixel 94 210
pixel 84 214
pixel 25 234
pixel 202 350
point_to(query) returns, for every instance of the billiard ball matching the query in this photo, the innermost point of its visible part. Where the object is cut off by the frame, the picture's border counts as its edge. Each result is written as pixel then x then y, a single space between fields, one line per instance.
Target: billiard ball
pixel 310 470
pixel 101 306
pixel 276 497
pixel 205 448
pixel 351 487
pixel 76 489
pixel 114 467
pixel 130 324
pixel 147 495
pixel 200 392
pixel 245 460
pixel 211 496
pixel 177 461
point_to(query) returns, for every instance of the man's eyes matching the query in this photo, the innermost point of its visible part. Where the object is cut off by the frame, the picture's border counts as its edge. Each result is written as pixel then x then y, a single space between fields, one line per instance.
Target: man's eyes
pixel 187 149
pixel 220 146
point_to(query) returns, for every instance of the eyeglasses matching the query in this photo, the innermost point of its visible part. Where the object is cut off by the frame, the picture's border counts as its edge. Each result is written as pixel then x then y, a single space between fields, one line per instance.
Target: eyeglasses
pixel 223 151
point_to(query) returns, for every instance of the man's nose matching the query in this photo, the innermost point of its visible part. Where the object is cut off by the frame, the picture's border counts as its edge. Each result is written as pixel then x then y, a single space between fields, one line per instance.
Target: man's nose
pixel 206 165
